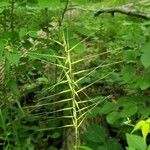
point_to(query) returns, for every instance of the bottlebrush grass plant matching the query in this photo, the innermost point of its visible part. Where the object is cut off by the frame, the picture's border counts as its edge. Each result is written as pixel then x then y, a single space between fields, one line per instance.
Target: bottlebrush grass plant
pixel 69 80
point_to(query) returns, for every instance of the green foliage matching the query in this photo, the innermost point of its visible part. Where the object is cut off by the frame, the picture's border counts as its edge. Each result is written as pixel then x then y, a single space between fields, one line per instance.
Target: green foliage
pixel 60 67
pixel 135 142
pixel 145 55
pixel 144 126
pixel 97 138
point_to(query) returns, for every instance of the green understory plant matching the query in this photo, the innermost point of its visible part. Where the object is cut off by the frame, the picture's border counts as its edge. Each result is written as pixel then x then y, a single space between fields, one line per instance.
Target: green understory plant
pixel 69 80
pixel 136 142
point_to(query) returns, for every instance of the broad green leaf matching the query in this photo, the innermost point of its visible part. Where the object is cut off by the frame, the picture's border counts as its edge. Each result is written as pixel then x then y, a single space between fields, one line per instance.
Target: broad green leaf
pixel 130 148
pixel 113 117
pixel 136 142
pixel 108 107
pixel 145 59
pixel 95 133
pixel 144 84
pixel 128 74
pixel 148 147
pixel 145 47
pixel 127 108
pixel 138 126
pixel 113 144
pixel 94 112
pixel 13 87
pixel 144 126
pixel 148 120
pixel 129 56
pixel 146 55
pixel 84 148
pixel 144 80
pixel 109 144
pixel 145 130
pixel 13 58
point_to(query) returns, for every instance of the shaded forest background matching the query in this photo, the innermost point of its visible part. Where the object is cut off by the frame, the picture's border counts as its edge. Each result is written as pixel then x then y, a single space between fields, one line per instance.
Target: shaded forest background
pixel 74 74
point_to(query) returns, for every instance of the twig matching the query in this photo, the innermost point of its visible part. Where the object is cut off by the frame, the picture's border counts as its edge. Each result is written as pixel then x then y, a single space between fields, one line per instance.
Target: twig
pixel 127 10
